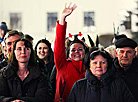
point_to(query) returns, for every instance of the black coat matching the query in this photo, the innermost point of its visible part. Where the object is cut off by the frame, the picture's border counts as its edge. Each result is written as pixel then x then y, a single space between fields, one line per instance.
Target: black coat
pixel 46 68
pixel 3 61
pixel 34 88
pixel 108 89
pixel 53 79
pixel 130 76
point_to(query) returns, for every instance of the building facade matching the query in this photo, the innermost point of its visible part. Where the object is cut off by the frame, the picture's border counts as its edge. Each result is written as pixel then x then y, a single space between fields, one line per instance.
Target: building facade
pixel 38 17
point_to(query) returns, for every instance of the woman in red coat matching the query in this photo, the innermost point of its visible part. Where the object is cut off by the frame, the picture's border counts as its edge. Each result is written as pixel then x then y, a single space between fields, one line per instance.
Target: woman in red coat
pixel 68 70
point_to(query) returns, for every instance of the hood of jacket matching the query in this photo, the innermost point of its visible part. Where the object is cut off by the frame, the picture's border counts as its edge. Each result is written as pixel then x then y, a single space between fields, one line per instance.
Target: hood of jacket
pixel 104 80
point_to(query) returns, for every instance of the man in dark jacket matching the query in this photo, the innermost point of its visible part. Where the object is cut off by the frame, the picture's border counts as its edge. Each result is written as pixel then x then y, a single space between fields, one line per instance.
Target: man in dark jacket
pixel 125 65
pixel 9 40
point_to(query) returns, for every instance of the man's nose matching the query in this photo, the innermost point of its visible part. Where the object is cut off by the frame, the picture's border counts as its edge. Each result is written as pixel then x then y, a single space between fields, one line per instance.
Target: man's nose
pixel 125 54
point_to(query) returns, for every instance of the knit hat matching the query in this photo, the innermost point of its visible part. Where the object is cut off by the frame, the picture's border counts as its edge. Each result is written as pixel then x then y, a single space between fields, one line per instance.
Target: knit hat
pixel 3 26
pixel 125 42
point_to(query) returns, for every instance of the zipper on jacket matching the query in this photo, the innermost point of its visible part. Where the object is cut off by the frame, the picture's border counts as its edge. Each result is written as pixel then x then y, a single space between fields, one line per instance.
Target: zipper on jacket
pixel 99 94
pixel 99 86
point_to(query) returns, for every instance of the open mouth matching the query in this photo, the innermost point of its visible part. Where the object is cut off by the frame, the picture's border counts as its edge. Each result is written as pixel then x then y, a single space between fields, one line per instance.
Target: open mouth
pixel 42 54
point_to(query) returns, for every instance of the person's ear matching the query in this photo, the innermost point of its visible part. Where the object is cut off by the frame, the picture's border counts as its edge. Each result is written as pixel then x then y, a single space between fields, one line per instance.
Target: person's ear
pixel 116 55
pixel 135 54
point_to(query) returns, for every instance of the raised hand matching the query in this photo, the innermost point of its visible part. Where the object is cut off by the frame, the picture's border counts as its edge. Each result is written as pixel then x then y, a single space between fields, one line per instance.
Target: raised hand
pixel 66 12
pixel 68 9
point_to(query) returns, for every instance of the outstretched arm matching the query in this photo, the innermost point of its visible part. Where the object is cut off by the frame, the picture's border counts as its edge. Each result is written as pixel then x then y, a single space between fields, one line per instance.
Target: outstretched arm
pixel 66 12
pixel 59 47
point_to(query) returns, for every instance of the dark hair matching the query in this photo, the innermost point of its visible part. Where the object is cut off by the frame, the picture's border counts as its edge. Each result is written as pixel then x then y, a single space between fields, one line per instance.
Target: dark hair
pixel 50 52
pixel 21 34
pixel 77 41
pixel 95 52
pixel 28 37
pixel 32 60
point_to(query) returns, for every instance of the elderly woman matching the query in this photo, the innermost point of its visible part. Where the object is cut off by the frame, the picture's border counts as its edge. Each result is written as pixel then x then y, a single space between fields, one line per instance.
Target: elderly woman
pixel 44 52
pixel 99 84
pixel 21 81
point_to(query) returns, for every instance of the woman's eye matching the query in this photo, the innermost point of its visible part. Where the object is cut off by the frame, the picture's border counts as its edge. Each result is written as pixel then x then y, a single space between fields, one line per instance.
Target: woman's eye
pixel 103 62
pixel 19 49
pixel 94 62
pixel 39 48
pixel 80 49
pixel 73 50
pixel 45 47
pixel 27 48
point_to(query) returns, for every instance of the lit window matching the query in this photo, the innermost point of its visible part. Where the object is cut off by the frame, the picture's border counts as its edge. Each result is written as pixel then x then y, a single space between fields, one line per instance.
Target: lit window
pixel 51 21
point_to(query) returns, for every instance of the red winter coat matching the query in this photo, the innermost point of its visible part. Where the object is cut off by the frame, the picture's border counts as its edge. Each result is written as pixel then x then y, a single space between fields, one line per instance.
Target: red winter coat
pixel 68 71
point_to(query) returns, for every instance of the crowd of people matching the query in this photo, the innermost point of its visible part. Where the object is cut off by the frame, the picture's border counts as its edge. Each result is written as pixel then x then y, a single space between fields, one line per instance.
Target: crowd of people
pixel 71 72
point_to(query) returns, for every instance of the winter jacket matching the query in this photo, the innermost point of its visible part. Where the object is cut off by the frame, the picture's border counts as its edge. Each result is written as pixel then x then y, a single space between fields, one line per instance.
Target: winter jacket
pixel 3 61
pixel 53 79
pixel 68 70
pixel 108 89
pixel 34 88
pixel 130 76
pixel 46 68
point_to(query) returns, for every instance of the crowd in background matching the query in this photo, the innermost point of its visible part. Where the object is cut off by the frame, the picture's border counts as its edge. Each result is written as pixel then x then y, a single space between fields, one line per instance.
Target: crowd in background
pixel 71 72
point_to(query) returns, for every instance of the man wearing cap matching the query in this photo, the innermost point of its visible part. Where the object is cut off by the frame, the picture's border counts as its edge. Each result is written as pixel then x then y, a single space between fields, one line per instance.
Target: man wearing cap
pixel 125 65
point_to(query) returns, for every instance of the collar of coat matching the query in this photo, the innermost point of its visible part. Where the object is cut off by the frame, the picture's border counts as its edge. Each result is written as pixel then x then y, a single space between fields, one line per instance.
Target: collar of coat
pixel 132 68
pixel 12 72
pixel 105 78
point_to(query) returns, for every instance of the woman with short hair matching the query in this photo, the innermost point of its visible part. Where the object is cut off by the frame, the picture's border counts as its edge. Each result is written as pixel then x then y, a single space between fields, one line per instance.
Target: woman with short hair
pixel 100 84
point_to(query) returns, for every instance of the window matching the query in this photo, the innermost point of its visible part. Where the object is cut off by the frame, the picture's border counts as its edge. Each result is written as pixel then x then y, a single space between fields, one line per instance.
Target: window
pixel 89 19
pixel 127 21
pixel 51 21
pixel 15 21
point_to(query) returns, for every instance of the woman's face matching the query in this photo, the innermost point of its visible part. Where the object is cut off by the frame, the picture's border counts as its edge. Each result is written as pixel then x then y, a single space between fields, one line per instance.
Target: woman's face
pixel 77 52
pixel 22 53
pixel 42 50
pixel 98 66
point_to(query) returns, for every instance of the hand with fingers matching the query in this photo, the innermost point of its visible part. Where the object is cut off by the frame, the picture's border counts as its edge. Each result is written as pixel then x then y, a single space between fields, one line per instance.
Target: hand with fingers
pixel 66 12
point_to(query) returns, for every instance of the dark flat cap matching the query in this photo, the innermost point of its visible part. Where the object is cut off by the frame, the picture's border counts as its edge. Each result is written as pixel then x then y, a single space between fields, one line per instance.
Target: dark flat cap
pixel 125 42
